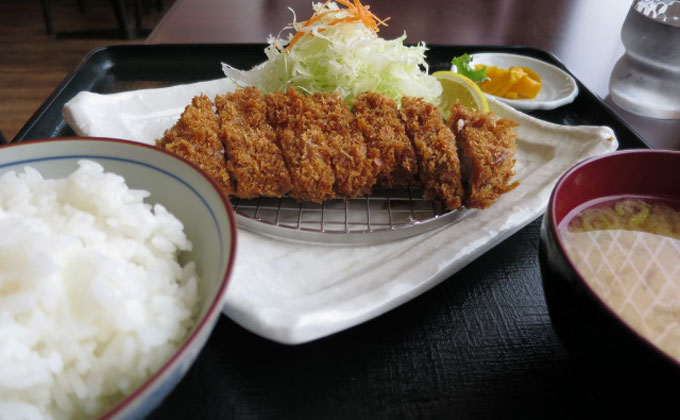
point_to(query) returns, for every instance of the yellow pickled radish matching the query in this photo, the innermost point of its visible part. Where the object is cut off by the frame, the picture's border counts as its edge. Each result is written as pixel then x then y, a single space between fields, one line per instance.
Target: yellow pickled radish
pixel 516 74
pixel 512 83
pixel 494 84
pixel 527 87
pixel 532 74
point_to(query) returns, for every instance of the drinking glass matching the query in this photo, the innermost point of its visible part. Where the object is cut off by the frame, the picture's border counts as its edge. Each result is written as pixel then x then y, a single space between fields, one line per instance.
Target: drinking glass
pixel 646 80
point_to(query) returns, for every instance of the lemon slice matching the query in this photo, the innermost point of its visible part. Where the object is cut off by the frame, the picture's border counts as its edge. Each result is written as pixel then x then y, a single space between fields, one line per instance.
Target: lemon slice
pixel 458 88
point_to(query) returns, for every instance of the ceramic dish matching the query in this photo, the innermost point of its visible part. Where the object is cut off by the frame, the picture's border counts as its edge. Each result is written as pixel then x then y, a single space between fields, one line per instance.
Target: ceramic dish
pixel 187 193
pixel 297 292
pixel 558 87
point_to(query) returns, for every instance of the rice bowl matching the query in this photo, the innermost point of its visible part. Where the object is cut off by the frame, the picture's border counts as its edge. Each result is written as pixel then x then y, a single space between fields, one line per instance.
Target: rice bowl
pixel 95 307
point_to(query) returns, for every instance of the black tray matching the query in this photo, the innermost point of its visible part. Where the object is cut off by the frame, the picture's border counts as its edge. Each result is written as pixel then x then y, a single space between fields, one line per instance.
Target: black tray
pixel 479 345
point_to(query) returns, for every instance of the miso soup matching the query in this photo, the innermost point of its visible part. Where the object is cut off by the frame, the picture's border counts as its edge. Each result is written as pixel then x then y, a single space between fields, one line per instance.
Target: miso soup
pixel 628 251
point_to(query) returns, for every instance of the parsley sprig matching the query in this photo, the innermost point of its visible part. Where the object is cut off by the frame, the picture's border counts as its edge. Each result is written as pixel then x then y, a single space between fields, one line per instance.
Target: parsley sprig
pixel 462 63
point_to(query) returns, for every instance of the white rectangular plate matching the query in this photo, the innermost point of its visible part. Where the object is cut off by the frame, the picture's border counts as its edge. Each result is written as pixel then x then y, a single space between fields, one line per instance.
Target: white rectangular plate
pixel 295 292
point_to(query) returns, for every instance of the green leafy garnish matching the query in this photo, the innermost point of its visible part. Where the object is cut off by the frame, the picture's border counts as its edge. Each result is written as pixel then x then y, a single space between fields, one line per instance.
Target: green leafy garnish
pixel 462 63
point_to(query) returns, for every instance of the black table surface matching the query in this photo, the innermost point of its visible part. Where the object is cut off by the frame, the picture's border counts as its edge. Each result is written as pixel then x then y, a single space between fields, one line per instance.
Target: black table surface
pixel 479 345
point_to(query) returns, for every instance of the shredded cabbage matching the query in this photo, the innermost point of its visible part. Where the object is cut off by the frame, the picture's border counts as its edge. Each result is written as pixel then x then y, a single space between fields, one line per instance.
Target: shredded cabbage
pixel 348 58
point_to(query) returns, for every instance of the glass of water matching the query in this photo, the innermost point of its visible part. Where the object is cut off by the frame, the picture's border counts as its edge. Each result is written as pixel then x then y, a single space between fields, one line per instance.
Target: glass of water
pixel 646 80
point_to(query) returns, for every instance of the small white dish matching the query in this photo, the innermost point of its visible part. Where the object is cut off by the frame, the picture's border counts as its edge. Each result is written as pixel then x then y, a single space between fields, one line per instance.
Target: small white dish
pixel 558 89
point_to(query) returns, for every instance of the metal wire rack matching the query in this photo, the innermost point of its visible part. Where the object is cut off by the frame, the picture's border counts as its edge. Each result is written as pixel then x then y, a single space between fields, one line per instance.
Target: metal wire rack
pixel 382 216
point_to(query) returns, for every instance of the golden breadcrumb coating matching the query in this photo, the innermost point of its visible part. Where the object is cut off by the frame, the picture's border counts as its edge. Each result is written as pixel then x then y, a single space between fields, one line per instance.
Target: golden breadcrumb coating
pixel 487 147
pixel 353 172
pixel 304 144
pixel 388 148
pixel 255 159
pixel 314 148
pixel 435 146
pixel 195 138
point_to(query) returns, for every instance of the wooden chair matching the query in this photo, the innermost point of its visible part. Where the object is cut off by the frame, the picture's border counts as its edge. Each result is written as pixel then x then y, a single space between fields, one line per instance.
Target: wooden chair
pixel 118 8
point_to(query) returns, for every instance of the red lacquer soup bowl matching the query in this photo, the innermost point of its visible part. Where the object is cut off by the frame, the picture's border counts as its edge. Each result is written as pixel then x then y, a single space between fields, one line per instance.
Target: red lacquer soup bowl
pixel 611 281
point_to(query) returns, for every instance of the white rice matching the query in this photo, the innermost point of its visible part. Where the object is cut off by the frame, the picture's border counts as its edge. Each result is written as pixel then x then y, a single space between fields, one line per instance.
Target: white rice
pixel 92 297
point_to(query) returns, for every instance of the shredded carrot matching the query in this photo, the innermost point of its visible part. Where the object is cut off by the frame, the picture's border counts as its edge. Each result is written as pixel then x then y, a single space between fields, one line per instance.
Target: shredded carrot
pixel 357 13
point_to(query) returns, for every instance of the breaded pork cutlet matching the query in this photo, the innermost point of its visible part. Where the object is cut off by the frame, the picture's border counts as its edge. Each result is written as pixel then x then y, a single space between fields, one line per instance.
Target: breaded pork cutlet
pixel 353 171
pixel 304 144
pixel 435 146
pixel 195 137
pixel 255 159
pixel 487 147
pixel 388 148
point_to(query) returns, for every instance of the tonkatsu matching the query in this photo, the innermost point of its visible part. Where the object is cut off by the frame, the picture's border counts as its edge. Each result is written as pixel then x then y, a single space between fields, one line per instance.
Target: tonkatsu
pixel 195 137
pixel 435 146
pixel 254 157
pixel 315 147
pixel 486 147
pixel 354 175
pixel 304 144
pixel 389 150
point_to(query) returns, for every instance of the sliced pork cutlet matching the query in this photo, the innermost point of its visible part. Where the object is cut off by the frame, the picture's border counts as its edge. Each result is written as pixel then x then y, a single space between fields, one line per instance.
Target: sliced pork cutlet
pixel 304 143
pixel 388 148
pixel 195 137
pixel 487 148
pixel 353 172
pixel 435 146
pixel 255 159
